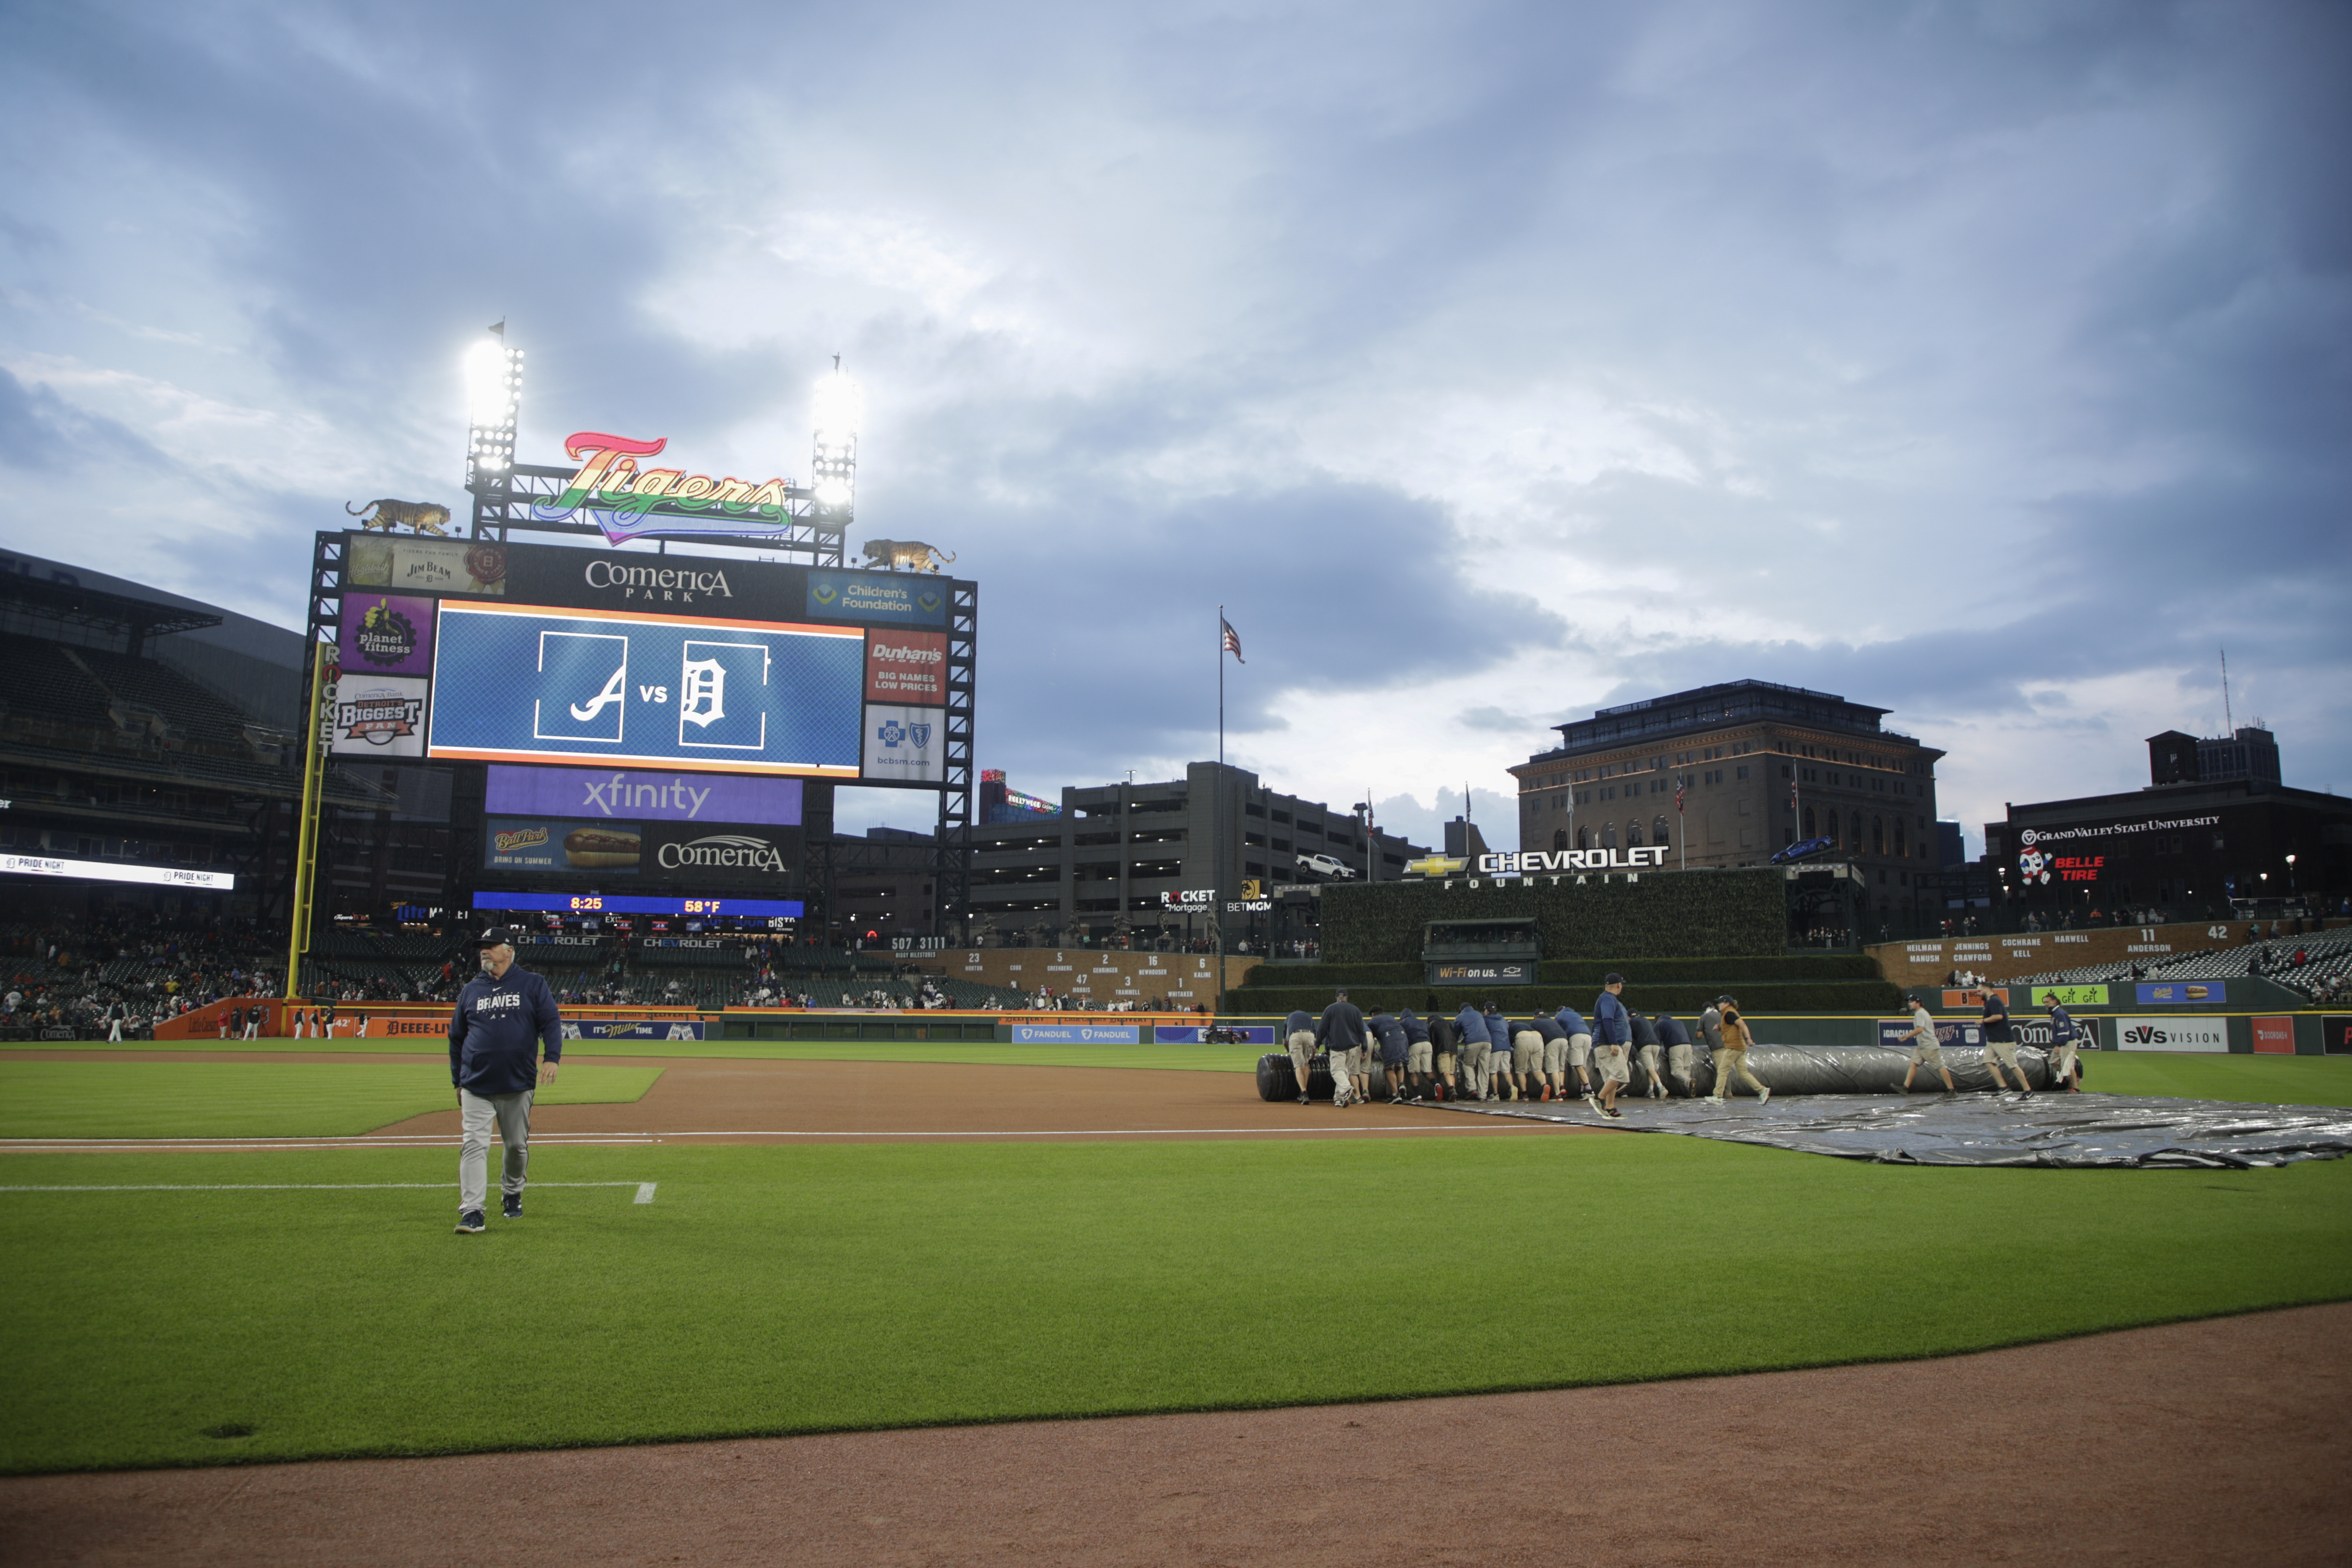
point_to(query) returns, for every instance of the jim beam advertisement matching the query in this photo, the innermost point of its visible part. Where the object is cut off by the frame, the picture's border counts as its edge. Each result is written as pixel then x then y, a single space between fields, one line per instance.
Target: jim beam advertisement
pixel 703 853
pixel 403 564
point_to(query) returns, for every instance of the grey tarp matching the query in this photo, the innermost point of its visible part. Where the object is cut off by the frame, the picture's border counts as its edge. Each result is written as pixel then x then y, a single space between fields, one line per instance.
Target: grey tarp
pixel 1869 1069
pixel 2082 1131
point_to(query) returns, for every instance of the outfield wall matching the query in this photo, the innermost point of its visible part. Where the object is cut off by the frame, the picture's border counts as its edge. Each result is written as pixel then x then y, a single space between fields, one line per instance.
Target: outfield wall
pixel 1612 915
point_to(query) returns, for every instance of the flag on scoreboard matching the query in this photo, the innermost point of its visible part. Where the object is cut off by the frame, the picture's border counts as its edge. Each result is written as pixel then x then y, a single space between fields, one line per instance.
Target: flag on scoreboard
pixel 1232 640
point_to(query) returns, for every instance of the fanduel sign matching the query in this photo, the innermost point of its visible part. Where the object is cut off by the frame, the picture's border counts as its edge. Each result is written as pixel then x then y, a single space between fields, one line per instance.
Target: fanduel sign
pixel 1530 862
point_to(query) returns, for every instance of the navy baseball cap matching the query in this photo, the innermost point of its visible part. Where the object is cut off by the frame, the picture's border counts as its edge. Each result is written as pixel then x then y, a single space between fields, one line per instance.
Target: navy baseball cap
pixel 497 935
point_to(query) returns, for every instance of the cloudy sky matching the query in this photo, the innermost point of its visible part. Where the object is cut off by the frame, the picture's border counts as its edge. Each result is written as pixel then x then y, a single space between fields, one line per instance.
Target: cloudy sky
pixel 1991 362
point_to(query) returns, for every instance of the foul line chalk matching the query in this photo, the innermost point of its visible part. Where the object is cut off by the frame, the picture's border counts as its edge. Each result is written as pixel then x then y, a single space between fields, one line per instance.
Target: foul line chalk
pixel 645 1189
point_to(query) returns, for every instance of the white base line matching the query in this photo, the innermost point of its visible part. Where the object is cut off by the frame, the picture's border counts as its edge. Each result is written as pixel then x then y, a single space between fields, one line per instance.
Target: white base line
pixel 584 1140
pixel 645 1189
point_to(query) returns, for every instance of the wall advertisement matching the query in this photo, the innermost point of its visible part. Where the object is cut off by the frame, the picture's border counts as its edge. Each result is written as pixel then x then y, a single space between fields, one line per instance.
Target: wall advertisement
pixel 910 668
pixel 1077 1034
pixel 1892 1030
pixel 541 843
pixel 644 797
pixel 900 598
pixel 386 634
pixel 715 854
pixel 378 715
pixel 671 585
pixel 905 745
pixel 2335 1036
pixel 2173 1032
pixel 2178 993
pixel 409 564
pixel 2274 1036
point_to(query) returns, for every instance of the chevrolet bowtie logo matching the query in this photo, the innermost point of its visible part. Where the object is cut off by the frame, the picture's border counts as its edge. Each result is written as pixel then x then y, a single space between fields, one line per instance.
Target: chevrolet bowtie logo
pixel 1435 866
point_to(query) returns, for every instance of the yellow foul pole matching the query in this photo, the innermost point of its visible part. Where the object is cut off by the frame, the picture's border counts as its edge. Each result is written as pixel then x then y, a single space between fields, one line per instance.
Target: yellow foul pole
pixel 314 747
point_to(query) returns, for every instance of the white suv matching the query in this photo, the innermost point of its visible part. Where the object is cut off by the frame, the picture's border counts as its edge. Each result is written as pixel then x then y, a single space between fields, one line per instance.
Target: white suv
pixel 1325 866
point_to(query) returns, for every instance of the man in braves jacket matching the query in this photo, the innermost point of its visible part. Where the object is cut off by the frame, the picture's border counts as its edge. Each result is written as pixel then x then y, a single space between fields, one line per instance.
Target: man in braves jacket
pixel 503 1016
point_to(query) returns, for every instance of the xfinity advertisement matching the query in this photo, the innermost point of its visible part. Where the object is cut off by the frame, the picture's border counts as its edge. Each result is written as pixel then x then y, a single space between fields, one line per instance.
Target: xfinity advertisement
pixel 645 797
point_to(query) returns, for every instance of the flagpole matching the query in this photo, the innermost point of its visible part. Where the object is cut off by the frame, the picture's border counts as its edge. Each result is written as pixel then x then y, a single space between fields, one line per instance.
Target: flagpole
pixel 1217 864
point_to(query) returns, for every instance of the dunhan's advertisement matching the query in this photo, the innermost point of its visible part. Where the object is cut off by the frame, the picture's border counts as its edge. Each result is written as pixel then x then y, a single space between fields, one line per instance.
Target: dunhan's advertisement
pixel 714 854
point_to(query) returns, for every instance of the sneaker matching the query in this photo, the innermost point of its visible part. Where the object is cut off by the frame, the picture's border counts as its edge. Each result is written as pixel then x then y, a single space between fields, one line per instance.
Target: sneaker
pixel 1545 1098
pixel 1305 1099
pixel 1763 1095
pixel 1715 1100
pixel 512 1207
pixel 470 1223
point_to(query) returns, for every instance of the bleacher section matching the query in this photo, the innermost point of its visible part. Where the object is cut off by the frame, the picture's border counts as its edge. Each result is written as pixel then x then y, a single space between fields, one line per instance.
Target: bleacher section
pixel 2327 966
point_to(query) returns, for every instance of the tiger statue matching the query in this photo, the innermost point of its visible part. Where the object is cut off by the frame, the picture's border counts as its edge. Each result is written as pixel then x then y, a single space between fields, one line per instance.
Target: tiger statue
pixel 387 515
pixel 905 555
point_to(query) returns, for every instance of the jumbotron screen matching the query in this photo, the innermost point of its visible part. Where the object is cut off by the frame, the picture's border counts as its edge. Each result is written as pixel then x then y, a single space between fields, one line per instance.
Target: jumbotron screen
pixel 553 656
pixel 514 683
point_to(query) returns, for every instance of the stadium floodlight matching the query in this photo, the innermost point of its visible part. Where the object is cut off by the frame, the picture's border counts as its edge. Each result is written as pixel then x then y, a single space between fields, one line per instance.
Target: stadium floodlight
pixel 493 396
pixel 840 407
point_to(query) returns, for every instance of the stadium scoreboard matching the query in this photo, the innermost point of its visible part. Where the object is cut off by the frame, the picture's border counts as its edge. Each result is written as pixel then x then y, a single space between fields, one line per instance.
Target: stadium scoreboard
pixel 642 718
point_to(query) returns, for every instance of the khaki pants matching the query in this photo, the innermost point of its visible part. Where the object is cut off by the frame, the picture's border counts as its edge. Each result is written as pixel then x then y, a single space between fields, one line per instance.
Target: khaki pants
pixel 1302 1053
pixel 1344 1068
pixel 1649 1062
pixel 512 1113
pixel 1475 1055
pixel 1609 1064
pixel 1678 1067
pixel 1730 1064
pixel 1526 1051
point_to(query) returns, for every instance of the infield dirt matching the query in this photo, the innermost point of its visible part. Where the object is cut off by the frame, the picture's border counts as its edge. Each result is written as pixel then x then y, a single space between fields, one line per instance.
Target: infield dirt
pixel 2209 1442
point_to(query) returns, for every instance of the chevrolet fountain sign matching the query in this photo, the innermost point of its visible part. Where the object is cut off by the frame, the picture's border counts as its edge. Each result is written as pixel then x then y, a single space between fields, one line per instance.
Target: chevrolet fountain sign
pixel 1535 862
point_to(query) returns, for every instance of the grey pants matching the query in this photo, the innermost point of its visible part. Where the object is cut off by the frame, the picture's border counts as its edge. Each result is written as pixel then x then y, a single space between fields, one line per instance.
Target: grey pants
pixel 1476 1055
pixel 512 1113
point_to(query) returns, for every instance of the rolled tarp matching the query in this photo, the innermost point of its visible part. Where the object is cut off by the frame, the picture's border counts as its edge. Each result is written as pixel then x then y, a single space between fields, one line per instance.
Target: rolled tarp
pixel 1867 1069
pixel 1279 1079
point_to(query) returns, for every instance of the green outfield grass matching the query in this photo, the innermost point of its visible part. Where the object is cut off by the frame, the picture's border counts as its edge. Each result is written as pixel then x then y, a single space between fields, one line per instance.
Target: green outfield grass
pixel 776 1290
pixel 1205 1058
pixel 2264 1079
pixel 255 1099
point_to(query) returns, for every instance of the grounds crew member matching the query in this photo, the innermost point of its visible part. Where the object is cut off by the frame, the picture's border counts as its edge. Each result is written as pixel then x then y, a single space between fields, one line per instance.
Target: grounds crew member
pixel 1731 1056
pixel 1417 1055
pixel 503 1017
pixel 1580 1049
pixel 1651 1054
pixel 1555 1055
pixel 1527 1060
pixel 1390 1032
pixel 1476 1049
pixel 2001 1043
pixel 1341 1032
pixel 1926 1048
pixel 2064 1032
pixel 1612 1050
pixel 1445 1043
pixel 1298 1037
pixel 1498 1035
pixel 1678 1041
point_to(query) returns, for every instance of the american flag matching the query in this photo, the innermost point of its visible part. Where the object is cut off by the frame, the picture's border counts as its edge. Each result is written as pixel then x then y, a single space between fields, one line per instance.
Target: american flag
pixel 1232 640
pixel 1792 794
pixel 1680 784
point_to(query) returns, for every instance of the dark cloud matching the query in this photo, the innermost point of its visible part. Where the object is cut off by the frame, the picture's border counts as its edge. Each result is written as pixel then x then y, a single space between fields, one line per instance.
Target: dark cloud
pixel 1484 364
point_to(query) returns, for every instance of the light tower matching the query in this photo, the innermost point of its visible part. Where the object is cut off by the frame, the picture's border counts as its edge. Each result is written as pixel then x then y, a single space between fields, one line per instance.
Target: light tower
pixel 493 397
pixel 833 465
